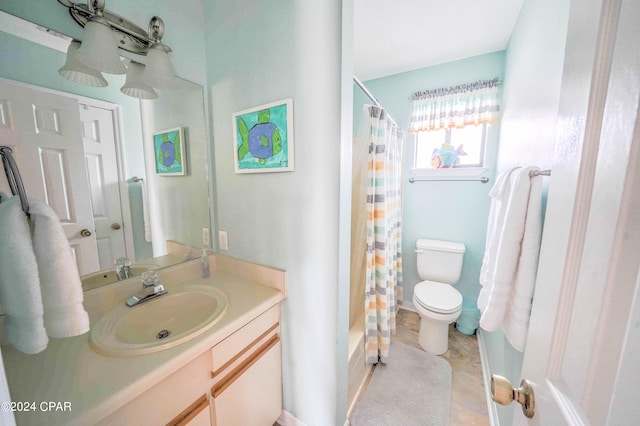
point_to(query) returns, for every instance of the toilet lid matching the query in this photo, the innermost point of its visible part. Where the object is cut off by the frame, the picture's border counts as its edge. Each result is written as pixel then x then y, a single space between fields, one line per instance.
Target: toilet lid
pixel 437 297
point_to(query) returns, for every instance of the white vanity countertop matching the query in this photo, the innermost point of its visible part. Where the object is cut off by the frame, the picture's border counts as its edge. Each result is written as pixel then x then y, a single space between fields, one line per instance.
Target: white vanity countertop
pixel 94 385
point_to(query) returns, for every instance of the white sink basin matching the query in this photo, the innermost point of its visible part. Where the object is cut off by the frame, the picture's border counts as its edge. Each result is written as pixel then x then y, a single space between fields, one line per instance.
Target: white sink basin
pixel 162 323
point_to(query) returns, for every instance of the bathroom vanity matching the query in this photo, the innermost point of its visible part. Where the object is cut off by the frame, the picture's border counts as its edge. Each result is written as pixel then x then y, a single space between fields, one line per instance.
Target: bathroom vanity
pixel 229 374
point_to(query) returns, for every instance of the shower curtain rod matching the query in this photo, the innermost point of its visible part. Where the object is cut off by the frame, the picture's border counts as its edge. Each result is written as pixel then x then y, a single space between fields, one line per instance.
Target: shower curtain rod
pixel 373 98
pixel 366 91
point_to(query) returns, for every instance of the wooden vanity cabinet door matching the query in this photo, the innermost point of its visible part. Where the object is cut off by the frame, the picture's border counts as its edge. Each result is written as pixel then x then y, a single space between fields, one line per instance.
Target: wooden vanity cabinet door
pixel 251 393
pixel 176 394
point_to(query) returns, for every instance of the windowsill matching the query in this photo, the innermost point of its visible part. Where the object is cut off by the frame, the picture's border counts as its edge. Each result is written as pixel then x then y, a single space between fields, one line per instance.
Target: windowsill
pixel 445 174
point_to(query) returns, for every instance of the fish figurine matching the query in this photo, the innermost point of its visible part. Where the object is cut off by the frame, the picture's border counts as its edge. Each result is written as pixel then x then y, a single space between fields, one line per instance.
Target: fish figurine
pixel 263 141
pixel 446 157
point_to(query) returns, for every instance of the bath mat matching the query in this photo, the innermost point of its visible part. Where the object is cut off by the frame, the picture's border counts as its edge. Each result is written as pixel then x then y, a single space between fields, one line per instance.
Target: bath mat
pixel 414 388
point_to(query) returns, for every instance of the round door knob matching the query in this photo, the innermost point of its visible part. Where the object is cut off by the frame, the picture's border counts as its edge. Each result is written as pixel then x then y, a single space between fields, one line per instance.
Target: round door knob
pixel 503 393
pixel 115 226
pixel 85 233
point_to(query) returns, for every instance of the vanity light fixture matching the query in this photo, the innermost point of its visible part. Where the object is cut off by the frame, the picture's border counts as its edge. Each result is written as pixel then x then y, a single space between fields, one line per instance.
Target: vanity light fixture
pixel 134 86
pixel 104 33
pixel 78 72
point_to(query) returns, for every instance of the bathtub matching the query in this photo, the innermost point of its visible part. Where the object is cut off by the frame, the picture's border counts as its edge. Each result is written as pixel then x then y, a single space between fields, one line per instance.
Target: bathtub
pixel 358 370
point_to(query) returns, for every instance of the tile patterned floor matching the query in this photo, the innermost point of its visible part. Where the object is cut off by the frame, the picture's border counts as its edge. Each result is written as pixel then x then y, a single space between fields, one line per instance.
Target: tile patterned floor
pixel 468 404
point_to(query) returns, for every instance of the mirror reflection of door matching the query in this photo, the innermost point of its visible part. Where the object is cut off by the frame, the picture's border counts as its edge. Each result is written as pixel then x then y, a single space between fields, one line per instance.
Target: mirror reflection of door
pixel 47 133
pixel 99 142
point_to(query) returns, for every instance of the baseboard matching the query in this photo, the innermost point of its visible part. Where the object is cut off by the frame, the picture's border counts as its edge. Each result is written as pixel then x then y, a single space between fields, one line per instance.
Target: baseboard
pixel 407 305
pixel 492 409
pixel 288 419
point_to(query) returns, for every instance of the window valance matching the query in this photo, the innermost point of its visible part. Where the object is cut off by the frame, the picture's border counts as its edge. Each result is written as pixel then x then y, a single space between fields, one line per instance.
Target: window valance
pixel 456 106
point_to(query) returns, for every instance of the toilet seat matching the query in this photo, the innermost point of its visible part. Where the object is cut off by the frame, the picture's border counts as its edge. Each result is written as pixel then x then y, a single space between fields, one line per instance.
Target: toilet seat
pixel 437 297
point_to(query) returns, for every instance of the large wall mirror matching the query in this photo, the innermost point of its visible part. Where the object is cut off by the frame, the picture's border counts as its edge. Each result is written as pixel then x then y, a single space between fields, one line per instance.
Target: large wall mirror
pixel 106 162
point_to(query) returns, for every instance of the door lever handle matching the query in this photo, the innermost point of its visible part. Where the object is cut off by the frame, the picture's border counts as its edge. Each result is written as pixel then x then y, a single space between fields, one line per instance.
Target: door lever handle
pixel 503 393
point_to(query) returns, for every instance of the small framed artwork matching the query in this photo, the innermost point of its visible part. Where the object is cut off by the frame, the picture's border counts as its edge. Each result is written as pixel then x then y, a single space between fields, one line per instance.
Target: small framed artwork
pixel 263 138
pixel 168 147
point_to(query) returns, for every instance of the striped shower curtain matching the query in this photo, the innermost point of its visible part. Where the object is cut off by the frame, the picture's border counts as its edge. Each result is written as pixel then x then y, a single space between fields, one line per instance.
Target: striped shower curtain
pixel 384 232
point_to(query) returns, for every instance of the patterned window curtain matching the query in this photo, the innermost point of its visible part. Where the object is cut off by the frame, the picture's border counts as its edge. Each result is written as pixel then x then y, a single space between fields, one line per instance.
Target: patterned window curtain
pixel 457 106
pixel 384 233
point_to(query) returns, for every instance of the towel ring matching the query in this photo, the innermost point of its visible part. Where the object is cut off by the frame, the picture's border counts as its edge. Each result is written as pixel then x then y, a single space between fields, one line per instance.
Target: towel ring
pixel 13 177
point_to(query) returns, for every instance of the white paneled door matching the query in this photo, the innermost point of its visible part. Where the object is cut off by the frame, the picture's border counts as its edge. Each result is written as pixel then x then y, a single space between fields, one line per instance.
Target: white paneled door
pixel 98 132
pixel 44 131
pixel 582 350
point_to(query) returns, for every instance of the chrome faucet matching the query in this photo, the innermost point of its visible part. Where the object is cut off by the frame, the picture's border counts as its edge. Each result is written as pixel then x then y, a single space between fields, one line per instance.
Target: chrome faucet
pixel 123 268
pixel 150 289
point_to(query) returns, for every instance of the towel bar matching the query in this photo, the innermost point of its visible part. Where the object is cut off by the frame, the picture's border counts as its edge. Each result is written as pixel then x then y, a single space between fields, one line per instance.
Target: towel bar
pixel 13 177
pixel 483 179
pixel 540 173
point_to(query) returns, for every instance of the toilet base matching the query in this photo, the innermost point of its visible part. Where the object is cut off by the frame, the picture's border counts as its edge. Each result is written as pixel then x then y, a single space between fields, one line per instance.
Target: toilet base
pixel 433 336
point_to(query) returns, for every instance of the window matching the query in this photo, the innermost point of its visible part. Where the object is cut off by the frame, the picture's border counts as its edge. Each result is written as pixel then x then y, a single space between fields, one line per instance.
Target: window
pixel 449 148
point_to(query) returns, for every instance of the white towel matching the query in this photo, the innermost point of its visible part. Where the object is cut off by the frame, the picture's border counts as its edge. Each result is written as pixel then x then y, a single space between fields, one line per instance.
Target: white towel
pixel 516 319
pixel 505 298
pixel 145 212
pixel 499 200
pixel 64 314
pixel 20 295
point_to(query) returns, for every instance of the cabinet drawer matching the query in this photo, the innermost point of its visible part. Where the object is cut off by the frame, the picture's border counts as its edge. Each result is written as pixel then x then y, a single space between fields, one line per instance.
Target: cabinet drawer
pixel 245 340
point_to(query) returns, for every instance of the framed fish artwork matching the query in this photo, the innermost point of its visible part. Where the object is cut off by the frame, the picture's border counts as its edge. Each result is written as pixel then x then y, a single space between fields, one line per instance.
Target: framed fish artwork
pixel 263 138
pixel 170 156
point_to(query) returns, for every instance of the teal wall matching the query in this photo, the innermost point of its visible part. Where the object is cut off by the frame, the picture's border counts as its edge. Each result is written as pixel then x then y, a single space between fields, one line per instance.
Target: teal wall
pixel 531 94
pixel 260 52
pixel 441 210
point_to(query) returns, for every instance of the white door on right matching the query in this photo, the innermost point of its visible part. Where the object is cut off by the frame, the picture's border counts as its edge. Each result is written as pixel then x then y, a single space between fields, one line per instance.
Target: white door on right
pixel 582 349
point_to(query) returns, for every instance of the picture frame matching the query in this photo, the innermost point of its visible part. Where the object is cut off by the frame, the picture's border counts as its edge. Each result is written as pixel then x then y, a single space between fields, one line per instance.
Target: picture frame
pixel 169 152
pixel 263 138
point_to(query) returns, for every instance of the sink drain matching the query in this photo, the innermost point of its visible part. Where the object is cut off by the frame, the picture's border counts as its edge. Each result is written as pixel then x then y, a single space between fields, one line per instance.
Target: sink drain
pixel 162 334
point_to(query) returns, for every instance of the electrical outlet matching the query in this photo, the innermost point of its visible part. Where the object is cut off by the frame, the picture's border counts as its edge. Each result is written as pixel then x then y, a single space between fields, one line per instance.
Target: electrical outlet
pixel 206 237
pixel 223 240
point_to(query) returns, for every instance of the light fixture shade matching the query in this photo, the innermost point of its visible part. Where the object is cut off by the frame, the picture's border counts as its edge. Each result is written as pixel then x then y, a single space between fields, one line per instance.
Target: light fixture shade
pixel 158 71
pixel 99 49
pixel 134 86
pixel 80 73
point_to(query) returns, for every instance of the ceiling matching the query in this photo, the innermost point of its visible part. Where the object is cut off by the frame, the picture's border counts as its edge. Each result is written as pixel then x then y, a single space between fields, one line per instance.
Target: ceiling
pixel 394 36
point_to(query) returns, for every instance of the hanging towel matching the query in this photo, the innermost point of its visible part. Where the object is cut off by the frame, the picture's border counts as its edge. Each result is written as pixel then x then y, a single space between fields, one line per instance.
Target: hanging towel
pixel 509 277
pixel 64 314
pixel 516 320
pixel 20 295
pixel 499 200
pixel 145 211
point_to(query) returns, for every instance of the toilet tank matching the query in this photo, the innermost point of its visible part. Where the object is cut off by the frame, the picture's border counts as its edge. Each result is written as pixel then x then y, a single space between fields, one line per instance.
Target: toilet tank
pixel 439 261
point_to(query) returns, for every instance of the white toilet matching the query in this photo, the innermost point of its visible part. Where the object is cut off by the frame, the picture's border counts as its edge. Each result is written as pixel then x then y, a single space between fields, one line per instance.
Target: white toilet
pixel 435 299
